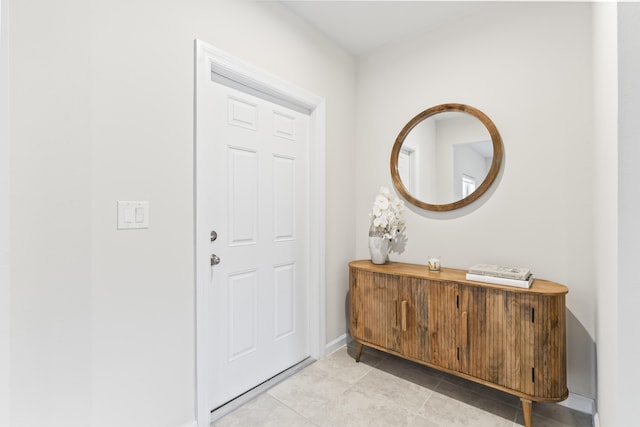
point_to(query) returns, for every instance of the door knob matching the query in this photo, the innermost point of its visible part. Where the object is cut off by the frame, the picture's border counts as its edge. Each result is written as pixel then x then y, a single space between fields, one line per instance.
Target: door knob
pixel 215 259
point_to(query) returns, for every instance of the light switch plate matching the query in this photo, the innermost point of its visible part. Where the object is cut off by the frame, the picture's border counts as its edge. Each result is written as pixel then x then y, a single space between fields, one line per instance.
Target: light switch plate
pixel 133 215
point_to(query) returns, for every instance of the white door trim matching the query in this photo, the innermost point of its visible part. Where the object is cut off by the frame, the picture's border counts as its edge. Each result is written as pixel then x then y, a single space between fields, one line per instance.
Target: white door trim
pixel 208 60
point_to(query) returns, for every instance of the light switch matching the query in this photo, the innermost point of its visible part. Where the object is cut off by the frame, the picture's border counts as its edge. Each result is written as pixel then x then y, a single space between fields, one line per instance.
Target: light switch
pixel 140 214
pixel 133 215
pixel 128 215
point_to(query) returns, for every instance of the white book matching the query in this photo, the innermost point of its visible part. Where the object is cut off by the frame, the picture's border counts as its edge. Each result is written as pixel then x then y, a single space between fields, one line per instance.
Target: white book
pixel 526 283
pixel 519 273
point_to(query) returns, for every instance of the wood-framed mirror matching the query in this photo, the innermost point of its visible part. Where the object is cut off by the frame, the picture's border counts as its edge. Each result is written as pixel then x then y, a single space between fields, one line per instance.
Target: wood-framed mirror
pixel 446 157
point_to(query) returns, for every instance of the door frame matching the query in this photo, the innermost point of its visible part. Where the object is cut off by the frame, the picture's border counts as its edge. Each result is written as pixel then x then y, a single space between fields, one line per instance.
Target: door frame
pixel 208 60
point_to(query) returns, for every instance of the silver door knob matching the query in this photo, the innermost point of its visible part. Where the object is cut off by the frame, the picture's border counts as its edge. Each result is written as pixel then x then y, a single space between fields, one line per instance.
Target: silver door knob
pixel 215 259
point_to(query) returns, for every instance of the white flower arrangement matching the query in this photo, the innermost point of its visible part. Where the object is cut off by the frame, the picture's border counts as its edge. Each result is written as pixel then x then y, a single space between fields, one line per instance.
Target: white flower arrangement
pixel 387 214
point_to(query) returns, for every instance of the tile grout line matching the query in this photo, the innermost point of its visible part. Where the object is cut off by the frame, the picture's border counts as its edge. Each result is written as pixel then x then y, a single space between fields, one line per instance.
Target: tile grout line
pixel 424 404
pixel 367 375
pixel 327 376
pixel 291 409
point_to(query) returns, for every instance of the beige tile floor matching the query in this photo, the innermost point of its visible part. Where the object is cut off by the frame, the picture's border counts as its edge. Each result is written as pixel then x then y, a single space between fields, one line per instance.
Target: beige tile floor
pixel 383 390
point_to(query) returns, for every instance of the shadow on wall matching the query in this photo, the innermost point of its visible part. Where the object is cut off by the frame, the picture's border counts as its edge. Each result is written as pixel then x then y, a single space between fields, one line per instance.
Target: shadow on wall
pixel 581 359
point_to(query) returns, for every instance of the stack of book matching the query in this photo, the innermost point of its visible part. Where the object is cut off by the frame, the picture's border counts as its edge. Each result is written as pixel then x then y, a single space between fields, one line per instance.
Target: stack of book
pixel 500 275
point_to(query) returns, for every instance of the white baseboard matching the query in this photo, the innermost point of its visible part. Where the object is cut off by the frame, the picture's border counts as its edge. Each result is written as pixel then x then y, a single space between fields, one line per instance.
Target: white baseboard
pixel 336 344
pixel 579 403
pixel 596 420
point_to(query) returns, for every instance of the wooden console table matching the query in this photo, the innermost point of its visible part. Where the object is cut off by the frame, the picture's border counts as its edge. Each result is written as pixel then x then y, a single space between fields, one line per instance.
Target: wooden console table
pixel 508 338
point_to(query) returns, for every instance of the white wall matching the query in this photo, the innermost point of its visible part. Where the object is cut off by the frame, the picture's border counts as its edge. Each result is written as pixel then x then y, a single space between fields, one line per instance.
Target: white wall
pixel 528 66
pixel 50 135
pixel 4 221
pixel 628 213
pixel 102 321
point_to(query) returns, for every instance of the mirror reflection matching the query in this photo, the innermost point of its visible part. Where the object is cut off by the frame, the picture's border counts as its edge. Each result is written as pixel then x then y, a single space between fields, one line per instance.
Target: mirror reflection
pixel 445 157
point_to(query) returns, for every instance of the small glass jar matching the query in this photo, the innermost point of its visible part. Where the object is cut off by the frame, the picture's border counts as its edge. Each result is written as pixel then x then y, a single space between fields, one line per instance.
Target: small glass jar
pixel 433 263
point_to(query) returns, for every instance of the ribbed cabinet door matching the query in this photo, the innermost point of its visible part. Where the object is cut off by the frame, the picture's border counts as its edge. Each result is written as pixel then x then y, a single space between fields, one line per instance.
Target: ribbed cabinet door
pixel 549 374
pixel 495 346
pixel 443 324
pixel 374 308
pixel 513 339
pixel 472 337
pixel 414 307
pixel 535 352
pixel 521 342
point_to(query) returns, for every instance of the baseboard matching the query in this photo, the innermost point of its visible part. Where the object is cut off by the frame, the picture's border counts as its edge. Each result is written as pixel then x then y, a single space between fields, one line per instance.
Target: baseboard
pixel 193 423
pixel 579 403
pixel 596 420
pixel 339 342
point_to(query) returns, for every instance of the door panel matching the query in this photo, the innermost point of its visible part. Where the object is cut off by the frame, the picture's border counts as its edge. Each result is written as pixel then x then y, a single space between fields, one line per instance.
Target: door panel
pixel 243 299
pixel 284 300
pixel 283 198
pixel 242 196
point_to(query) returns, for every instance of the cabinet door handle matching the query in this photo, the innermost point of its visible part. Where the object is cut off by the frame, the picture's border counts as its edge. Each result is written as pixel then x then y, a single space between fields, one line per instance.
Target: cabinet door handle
pixel 463 328
pixel 403 314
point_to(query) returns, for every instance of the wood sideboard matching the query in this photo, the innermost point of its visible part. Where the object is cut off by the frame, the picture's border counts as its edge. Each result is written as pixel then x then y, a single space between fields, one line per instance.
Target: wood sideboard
pixel 508 338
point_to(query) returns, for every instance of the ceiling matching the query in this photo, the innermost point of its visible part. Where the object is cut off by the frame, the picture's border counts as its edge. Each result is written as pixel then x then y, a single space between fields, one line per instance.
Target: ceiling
pixel 362 26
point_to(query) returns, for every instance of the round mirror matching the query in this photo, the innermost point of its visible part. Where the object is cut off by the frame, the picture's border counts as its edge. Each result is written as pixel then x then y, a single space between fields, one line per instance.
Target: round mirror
pixel 446 157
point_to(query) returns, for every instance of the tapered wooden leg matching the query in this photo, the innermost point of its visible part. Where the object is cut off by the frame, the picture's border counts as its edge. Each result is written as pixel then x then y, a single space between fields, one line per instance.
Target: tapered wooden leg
pixel 359 351
pixel 526 412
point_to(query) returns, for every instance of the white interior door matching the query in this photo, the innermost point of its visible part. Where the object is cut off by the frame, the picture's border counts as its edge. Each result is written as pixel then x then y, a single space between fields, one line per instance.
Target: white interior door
pixel 406 170
pixel 256 188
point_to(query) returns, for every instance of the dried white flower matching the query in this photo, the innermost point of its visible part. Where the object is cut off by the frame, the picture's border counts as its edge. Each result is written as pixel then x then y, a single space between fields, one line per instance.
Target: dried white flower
pixel 387 214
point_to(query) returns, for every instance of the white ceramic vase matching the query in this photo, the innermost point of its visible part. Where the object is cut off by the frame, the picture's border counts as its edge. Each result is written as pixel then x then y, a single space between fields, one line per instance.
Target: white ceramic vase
pixel 378 246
